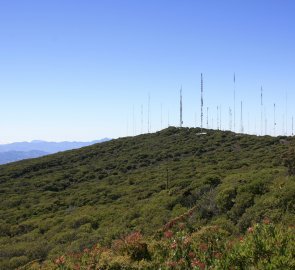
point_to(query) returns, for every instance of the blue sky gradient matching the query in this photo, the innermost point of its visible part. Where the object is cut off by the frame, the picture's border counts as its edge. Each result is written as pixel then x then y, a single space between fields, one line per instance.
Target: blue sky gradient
pixel 74 70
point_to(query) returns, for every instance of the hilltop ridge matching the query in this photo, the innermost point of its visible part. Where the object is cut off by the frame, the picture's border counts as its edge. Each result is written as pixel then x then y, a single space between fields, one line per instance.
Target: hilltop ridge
pixel 71 200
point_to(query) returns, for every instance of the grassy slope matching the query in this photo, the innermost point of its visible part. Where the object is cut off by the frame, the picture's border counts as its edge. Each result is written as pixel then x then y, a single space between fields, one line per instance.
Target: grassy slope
pixel 74 199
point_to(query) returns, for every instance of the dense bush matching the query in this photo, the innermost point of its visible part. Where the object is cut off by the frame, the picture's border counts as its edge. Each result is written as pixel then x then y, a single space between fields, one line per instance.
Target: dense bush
pixel 68 201
pixel 264 246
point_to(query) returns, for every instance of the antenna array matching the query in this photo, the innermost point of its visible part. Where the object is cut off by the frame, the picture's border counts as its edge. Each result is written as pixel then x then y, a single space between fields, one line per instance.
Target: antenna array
pixel 132 128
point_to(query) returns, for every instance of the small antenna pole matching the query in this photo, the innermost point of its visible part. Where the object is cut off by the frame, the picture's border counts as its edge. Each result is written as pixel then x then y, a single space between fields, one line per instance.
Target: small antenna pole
pixel 217 118
pixel 242 127
pixel 201 101
pixel 133 120
pixel 248 124
pixel 207 117
pixel 283 129
pixel 274 119
pixel 286 132
pixel 127 126
pixel 230 119
pixel 141 128
pixel 149 112
pixel 234 102
pixel 161 117
pixel 261 117
pixel 220 117
pixel 292 127
pixel 181 122
pixel 265 121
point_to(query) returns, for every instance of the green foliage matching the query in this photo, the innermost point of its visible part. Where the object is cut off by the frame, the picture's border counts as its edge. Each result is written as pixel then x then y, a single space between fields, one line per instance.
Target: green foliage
pixel 264 246
pixel 69 201
pixel 289 160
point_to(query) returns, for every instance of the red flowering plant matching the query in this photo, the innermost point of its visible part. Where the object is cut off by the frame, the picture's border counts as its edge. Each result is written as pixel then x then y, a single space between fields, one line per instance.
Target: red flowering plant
pixel 133 246
pixel 174 250
pixel 209 247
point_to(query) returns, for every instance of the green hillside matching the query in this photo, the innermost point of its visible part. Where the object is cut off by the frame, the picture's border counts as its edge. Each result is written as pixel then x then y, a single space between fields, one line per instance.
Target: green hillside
pixel 69 201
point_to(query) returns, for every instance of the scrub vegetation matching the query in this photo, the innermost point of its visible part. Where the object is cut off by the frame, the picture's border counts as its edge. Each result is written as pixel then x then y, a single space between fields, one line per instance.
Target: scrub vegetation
pixel 228 202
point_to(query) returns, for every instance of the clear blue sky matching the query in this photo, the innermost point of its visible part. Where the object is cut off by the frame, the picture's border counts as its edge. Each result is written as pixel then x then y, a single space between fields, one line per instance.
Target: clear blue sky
pixel 74 70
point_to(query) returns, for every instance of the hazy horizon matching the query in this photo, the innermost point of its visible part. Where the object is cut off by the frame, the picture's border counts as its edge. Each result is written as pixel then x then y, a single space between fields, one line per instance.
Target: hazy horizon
pixel 76 71
pixel 37 141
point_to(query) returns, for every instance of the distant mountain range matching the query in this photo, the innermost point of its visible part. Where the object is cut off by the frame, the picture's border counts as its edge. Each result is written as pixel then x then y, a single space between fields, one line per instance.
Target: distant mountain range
pixel 24 150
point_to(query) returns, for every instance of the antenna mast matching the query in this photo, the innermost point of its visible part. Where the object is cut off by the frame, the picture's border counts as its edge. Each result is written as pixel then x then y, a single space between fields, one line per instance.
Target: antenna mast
pixel 242 127
pixel 161 117
pixel 217 119
pixel 149 105
pixel 133 121
pixel 234 102
pixel 248 120
pixel 207 117
pixel 265 121
pixel 261 117
pixel 220 116
pixel 230 119
pixel 286 132
pixel 181 122
pixel 127 126
pixel 274 119
pixel 292 126
pixel 141 128
pixel 201 100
